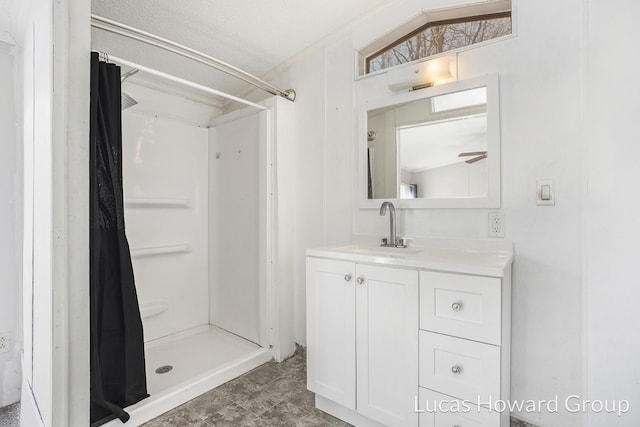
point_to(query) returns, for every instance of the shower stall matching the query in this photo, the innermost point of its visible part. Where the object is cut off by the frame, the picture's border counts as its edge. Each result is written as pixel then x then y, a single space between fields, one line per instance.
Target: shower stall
pixel 199 191
pixel 196 211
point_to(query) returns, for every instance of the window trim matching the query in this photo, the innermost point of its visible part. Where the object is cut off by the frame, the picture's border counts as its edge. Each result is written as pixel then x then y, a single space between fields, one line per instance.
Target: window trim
pixel 473 18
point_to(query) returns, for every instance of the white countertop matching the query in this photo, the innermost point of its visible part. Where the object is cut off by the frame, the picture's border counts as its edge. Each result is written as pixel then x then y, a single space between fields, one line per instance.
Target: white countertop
pixel 479 257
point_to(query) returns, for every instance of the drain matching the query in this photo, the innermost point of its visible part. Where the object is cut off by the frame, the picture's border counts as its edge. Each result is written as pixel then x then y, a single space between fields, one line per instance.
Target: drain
pixel 164 369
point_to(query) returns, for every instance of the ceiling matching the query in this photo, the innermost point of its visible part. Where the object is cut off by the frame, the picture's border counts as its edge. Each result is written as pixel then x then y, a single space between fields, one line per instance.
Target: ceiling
pixel 255 35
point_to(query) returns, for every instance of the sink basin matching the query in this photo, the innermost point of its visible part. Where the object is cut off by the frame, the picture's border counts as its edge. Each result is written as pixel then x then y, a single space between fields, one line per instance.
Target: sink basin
pixel 379 250
pixel 487 258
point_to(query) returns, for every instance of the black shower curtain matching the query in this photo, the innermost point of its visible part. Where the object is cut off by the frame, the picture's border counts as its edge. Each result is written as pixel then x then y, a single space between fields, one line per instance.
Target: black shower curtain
pixel 117 346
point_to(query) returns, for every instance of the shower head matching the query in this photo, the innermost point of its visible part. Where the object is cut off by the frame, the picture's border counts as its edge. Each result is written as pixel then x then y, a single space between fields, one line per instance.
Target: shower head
pixel 126 100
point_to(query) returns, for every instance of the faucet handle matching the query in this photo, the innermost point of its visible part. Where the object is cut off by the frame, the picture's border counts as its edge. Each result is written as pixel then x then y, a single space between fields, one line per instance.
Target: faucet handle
pixel 401 242
pixel 384 242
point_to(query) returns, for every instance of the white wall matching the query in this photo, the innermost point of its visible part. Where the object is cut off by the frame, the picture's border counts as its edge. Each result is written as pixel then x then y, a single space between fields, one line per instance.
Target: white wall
pixel 612 208
pixel 37 141
pixel 10 370
pixel 541 92
pixel 53 109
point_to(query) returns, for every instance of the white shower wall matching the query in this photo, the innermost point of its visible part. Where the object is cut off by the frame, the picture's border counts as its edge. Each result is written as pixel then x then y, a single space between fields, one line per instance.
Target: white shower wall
pixel 195 187
pixel 166 204
pixel 234 218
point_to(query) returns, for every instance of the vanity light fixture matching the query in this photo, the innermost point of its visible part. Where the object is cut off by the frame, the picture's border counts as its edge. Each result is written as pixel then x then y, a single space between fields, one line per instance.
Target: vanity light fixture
pixel 423 74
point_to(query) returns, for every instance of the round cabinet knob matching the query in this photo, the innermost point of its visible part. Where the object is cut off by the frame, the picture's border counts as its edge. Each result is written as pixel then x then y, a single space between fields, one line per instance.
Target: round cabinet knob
pixel 360 280
pixel 347 277
pixel 456 369
pixel 456 306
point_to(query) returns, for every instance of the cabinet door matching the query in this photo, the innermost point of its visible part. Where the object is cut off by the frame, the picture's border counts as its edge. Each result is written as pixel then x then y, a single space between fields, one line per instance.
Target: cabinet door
pixel 331 358
pixel 387 344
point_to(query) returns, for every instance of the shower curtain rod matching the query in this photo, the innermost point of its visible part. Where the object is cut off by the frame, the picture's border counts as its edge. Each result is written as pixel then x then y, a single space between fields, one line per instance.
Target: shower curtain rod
pixel 153 40
pixel 121 61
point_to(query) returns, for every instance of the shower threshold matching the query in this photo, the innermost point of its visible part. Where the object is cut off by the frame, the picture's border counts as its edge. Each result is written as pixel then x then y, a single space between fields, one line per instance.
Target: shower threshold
pixel 201 358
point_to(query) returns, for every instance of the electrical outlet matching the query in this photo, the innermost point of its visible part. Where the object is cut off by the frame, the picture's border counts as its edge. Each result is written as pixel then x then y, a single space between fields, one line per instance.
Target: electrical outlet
pixel 5 342
pixel 496 224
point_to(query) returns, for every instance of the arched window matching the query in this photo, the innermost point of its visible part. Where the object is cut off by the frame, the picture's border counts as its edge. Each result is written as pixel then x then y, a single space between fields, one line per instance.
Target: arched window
pixel 464 27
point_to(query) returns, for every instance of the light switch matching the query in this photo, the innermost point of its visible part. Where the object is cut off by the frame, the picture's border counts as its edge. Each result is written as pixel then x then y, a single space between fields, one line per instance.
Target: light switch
pixel 545 193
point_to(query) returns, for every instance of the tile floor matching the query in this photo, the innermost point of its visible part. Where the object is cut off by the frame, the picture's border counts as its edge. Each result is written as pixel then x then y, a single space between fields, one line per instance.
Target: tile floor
pixel 519 423
pixel 274 394
pixel 10 415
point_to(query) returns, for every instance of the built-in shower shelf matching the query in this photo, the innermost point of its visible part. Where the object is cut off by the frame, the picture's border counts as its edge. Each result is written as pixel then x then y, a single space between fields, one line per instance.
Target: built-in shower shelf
pixel 151 308
pixel 160 250
pixel 156 202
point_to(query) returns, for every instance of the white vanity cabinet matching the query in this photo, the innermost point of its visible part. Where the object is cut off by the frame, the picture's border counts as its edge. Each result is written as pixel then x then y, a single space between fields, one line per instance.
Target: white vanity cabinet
pixel 464 347
pixel 331 330
pixel 362 349
pixel 417 338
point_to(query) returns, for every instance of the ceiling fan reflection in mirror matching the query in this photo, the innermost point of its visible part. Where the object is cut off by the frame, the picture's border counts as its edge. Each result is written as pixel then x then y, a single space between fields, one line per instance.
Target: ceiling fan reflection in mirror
pixel 479 155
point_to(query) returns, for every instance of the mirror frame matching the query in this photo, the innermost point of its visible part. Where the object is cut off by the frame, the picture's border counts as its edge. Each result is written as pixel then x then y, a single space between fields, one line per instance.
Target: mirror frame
pixel 492 199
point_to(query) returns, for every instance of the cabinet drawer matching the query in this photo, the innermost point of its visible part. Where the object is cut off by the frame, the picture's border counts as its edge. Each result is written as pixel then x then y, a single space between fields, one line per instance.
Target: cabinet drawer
pixel 443 411
pixel 462 306
pixel 461 368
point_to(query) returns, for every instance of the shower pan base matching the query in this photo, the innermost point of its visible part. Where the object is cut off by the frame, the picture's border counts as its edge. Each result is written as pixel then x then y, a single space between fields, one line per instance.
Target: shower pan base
pixel 202 358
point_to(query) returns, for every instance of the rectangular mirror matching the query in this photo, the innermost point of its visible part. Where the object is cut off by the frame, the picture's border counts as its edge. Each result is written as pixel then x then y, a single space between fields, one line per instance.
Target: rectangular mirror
pixel 433 148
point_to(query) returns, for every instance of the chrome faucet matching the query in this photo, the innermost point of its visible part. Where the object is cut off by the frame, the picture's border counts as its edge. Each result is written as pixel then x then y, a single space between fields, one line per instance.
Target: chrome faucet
pixel 393 240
